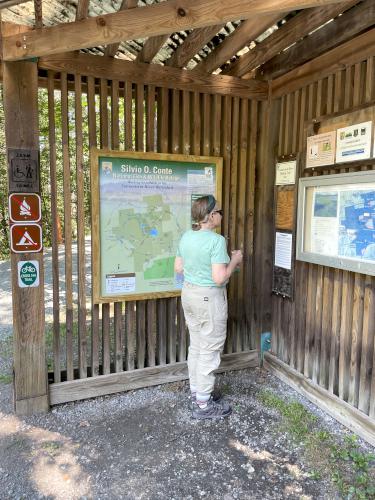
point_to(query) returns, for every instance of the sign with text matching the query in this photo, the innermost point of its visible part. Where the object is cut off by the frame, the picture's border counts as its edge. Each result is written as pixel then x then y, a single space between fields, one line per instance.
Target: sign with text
pixel 141 207
pixel 321 150
pixel 25 207
pixel 26 238
pixel 285 173
pixel 23 170
pixel 28 273
pixel 354 142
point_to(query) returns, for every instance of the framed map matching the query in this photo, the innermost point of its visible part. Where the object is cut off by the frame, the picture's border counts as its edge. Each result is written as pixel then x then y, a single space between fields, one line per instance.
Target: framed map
pixel 336 221
pixel 141 205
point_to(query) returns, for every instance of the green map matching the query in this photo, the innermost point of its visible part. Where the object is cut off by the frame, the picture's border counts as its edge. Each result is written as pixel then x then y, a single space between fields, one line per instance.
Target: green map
pixel 144 209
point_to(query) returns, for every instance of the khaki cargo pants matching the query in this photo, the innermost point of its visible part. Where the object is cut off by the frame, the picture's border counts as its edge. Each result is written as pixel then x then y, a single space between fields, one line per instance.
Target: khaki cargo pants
pixel 206 313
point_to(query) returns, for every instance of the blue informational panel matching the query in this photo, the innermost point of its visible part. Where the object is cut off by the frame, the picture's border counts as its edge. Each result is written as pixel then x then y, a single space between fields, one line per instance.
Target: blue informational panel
pixel 336 221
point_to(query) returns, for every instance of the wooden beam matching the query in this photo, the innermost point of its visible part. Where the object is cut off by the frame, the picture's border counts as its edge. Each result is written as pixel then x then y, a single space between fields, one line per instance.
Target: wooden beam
pixel 356 50
pixel 154 74
pixel 339 31
pixel 136 379
pixel 5 4
pixel 130 24
pixel 289 33
pixel 192 44
pixel 82 9
pixel 242 36
pixel 21 129
pixel 150 48
pixel 112 48
pixel 268 136
pixel 343 412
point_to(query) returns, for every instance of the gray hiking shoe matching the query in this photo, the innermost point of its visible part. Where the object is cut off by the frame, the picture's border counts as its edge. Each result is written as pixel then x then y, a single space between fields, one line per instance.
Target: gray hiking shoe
pixel 216 396
pixel 213 410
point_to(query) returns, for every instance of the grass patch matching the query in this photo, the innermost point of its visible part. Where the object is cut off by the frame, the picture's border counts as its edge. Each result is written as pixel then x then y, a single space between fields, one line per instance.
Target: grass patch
pixel 5 379
pixel 350 469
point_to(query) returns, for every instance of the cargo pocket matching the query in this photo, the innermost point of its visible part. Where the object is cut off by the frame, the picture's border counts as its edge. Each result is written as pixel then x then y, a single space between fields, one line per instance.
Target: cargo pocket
pixel 221 305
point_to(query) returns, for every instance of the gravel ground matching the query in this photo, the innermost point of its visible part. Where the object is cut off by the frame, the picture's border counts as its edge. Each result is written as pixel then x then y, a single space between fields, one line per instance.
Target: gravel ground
pixel 144 445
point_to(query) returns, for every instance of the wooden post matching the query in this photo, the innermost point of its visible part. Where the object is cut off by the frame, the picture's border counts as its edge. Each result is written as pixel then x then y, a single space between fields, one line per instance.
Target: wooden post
pixel 268 123
pixel 21 128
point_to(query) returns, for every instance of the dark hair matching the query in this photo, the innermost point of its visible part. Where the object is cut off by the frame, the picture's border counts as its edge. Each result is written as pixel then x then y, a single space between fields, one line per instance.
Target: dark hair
pixel 200 209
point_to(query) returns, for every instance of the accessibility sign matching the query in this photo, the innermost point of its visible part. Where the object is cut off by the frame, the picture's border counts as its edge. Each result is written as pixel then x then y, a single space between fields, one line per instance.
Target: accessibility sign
pixel 28 273
pixel 26 238
pixel 25 207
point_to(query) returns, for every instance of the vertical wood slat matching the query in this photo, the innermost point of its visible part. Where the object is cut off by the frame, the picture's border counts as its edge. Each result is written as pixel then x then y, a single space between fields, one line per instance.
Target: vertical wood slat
pixel 151 304
pixel 226 153
pixel 67 227
pixel 130 314
pixel 240 219
pixel 94 307
pixel 356 340
pixel 333 377
pixel 139 146
pixel 104 143
pixel 345 333
pixel 233 319
pixel 162 120
pixel 250 339
pixel 82 340
pixel 366 391
pixel 174 136
pixel 115 144
pixel 54 229
pixel 182 331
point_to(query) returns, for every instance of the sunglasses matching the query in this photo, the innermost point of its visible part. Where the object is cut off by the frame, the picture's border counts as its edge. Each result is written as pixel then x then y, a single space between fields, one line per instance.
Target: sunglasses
pixel 218 212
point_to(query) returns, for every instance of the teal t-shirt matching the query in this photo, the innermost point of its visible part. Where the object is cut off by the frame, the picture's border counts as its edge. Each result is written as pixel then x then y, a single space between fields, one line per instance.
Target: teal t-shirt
pixel 199 250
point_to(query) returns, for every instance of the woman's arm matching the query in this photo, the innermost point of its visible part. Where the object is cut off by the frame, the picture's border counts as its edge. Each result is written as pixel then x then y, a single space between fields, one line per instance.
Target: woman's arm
pixel 178 265
pixel 222 272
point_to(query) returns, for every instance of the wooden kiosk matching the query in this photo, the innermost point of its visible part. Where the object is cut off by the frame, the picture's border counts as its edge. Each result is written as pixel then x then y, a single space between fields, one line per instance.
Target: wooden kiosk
pixel 247 82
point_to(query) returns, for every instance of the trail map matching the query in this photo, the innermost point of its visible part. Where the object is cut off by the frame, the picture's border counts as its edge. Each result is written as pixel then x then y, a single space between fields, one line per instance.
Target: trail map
pixel 145 206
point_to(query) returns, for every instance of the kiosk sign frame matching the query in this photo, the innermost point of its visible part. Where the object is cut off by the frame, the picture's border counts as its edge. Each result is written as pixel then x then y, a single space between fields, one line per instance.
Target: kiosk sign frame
pixel 336 221
pixel 141 205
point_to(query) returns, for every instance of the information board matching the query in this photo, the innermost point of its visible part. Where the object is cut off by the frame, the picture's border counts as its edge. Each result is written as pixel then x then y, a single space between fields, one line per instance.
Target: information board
pixel 336 221
pixel 141 207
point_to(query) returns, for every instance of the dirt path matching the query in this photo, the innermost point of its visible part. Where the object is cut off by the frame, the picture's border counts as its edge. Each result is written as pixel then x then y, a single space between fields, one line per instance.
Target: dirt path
pixel 144 445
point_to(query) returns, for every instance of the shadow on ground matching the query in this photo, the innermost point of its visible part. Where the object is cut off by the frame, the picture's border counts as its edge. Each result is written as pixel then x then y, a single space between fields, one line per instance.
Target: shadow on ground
pixel 144 445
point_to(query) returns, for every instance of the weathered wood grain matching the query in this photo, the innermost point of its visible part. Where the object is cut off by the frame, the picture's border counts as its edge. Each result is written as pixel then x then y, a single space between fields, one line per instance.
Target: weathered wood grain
pixel 355 50
pixel 136 379
pixel 154 74
pixel 130 24
pixel 21 130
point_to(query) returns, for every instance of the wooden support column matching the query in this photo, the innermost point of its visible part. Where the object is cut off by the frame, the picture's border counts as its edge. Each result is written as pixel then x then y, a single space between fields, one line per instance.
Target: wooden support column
pixel 30 371
pixel 268 129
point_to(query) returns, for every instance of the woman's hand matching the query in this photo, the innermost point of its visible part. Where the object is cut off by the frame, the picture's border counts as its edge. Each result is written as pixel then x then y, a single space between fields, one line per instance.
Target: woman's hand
pixel 236 257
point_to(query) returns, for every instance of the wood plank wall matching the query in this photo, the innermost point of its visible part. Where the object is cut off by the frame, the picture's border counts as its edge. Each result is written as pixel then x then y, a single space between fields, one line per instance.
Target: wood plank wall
pixel 327 332
pixel 109 338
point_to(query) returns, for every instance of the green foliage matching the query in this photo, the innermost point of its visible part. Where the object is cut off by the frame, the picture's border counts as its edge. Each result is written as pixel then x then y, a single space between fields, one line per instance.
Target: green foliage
pixel 45 165
pixel 350 469
pixel 5 379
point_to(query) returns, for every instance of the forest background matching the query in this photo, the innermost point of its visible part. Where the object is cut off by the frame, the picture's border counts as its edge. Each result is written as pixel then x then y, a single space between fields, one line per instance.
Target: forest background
pixel 45 167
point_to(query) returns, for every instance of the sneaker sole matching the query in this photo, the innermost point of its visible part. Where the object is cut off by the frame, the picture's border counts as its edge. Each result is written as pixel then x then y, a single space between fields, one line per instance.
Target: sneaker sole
pixel 211 417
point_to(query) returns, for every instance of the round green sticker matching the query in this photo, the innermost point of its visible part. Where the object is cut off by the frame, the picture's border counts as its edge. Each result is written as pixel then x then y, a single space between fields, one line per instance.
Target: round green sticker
pixel 28 273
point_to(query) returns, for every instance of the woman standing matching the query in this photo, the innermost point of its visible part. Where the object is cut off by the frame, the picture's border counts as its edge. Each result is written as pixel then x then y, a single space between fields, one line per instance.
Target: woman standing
pixel 203 258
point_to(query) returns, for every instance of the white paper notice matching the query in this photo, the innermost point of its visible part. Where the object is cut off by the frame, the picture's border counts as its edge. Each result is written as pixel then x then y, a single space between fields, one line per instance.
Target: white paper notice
pixel 285 173
pixel 283 250
pixel 119 283
pixel 354 142
pixel 201 181
pixel 321 150
pixel 324 231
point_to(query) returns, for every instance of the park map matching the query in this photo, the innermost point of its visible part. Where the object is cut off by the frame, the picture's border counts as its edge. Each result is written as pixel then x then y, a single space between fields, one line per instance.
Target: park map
pixel 144 209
